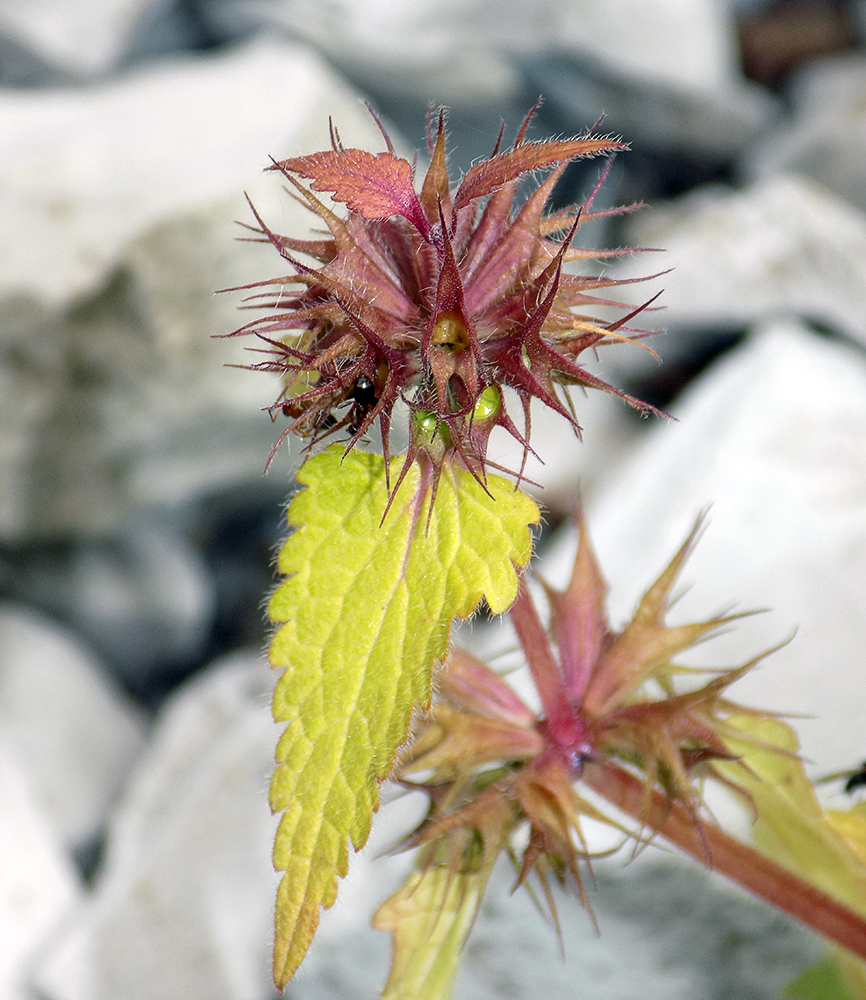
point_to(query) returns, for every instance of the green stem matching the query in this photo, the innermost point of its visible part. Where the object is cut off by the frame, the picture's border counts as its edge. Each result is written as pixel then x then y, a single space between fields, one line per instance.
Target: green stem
pixel 739 862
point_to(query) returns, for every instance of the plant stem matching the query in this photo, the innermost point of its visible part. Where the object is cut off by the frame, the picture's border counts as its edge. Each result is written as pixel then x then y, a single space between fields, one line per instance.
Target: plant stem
pixel 739 862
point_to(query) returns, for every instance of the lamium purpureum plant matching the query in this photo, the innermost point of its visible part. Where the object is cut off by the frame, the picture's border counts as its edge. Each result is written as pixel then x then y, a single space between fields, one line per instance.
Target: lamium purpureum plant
pixel 432 303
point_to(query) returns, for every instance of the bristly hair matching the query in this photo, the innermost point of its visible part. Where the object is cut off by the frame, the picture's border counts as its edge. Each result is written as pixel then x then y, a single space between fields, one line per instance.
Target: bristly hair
pixel 439 298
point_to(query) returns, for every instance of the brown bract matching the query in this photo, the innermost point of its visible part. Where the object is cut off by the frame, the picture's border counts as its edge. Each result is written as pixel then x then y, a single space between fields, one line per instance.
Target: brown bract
pixel 440 299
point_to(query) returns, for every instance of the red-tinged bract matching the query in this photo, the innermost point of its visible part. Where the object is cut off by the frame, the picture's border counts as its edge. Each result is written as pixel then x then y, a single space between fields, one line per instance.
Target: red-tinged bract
pixel 613 707
pixel 440 298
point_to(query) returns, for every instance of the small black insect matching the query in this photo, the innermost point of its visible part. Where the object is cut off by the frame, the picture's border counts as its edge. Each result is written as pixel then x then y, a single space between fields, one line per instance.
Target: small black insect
pixel 364 392
pixel 364 399
pixel 856 779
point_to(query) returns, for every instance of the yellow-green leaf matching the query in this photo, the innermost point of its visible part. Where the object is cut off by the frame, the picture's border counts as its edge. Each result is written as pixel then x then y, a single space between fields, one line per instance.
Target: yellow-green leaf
pixel 430 917
pixel 791 827
pixel 822 981
pixel 366 613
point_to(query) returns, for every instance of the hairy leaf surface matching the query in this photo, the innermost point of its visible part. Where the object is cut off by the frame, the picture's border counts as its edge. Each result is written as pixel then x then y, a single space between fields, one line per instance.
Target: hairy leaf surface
pixel 366 614
pixel 376 185
pixel 791 827
pixel 484 177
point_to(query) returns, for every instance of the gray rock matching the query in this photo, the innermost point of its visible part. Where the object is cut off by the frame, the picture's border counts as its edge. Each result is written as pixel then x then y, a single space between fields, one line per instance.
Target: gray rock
pixel 666 75
pixel 687 935
pixel 435 51
pixel 771 440
pixel 701 124
pixel 783 246
pixel 183 905
pixel 567 464
pixel 145 600
pixel 64 725
pixel 118 205
pixel 87 172
pixel 38 884
pixel 76 40
pixel 826 136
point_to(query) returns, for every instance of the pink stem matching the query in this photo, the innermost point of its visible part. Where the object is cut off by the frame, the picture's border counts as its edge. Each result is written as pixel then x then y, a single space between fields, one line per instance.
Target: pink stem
pixel 740 863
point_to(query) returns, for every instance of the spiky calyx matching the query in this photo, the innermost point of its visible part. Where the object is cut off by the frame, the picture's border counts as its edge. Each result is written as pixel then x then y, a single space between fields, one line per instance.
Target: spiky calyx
pixel 613 706
pixel 439 298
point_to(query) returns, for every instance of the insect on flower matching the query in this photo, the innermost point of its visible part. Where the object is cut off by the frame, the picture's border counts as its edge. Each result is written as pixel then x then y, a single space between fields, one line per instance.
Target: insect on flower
pixel 438 298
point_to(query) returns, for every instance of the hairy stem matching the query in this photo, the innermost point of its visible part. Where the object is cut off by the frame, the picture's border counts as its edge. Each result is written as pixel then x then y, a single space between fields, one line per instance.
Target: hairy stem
pixel 739 862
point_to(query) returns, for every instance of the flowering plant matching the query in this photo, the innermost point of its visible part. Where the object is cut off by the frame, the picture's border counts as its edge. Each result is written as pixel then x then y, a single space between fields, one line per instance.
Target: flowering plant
pixel 440 303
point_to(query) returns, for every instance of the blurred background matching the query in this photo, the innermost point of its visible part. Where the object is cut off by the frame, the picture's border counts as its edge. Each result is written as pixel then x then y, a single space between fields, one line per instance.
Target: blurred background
pixel 137 529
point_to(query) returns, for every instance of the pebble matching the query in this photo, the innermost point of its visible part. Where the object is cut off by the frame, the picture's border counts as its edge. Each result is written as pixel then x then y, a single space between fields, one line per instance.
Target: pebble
pixel 39 886
pixel 118 204
pixel 145 601
pixel 784 246
pixel 58 40
pixel 182 906
pixel 64 724
pixel 825 137
pixel 125 439
pixel 664 75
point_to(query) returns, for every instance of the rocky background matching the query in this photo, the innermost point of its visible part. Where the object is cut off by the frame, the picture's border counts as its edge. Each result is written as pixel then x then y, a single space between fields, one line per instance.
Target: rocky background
pixel 137 530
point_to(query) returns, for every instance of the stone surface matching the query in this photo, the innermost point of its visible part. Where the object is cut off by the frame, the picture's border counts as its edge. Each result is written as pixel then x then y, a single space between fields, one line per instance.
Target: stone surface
pixel 118 204
pixel 667 72
pixel 783 246
pixel 62 722
pixel 88 171
pixel 182 906
pixel 772 441
pixel 686 935
pixel 825 137
pixel 569 466
pixel 435 51
pixel 145 601
pixel 78 40
pixel 38 884
pixel 666 75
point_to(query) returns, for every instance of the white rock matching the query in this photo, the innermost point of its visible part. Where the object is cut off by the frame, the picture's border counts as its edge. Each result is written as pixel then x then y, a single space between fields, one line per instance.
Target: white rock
pixel 686 935
pixel 784 246
pixel 62 722
pixel 183 904
pixel 773 441
pixel 639 39
pixel 81 39
pixel 826 136
pixel 436 51
pixel 85 172
pixel 119 205
pixel 665 74
pixel 38 884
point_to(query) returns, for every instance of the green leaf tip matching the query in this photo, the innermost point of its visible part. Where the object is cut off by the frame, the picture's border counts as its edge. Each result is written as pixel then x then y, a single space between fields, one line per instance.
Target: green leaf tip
pixel 363 617
pixel 430 917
